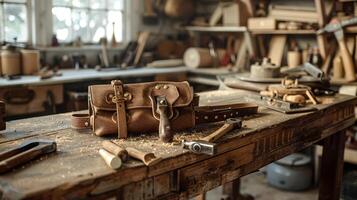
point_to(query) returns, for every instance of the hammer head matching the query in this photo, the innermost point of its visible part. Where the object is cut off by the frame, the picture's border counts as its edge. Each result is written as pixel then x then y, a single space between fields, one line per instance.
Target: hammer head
pixel 200 147
pixel 336 26
pixel 237 123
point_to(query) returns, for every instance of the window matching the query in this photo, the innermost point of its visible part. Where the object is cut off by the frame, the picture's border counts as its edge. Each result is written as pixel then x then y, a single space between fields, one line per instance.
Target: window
pixel 13 21
pixel 88 19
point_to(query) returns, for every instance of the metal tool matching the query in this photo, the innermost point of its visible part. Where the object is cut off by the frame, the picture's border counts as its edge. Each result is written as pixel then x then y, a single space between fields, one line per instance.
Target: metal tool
pixel 280 105
pixel 309 68
pixel 24 153
pixel 336 27
pixel 200 147
pixel 206 145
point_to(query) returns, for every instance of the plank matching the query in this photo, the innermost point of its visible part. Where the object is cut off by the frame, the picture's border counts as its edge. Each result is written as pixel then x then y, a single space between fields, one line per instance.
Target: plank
pixel 70 76
pixel 277 46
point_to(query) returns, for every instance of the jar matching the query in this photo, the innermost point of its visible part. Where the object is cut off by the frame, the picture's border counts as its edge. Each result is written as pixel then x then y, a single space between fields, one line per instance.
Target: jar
pixel 10 61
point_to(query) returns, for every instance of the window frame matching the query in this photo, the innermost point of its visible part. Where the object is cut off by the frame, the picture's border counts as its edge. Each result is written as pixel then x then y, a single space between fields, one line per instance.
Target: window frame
pixel 125 25
pixel 29 20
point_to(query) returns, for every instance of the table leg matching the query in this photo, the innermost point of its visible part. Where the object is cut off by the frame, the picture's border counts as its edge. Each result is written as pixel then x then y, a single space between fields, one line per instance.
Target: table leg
pixel 232 190
pixel 332 166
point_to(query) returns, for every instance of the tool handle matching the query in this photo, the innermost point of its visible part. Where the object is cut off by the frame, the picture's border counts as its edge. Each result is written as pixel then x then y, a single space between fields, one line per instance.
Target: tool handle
pixel 165 132
pixel 19 159
pixel 218 133
pixel 111 160
pixel 147 158
pixel 350 73
pixel 115 149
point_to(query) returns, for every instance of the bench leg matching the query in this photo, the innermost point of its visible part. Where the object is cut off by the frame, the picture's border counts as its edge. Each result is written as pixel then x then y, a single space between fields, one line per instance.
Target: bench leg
pixel 232 191
pixel 332 166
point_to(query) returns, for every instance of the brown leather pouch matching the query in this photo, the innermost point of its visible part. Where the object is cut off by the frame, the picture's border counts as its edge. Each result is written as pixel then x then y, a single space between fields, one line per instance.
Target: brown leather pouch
pixel 151 107
pixel 142 107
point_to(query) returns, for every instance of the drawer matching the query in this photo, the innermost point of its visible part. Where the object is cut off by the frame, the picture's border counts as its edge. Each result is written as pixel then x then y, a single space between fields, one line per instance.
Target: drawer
pixel 30 99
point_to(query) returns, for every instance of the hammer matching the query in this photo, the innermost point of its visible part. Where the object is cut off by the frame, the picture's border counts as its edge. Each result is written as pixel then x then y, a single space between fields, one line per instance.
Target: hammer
pixel 206 145
pixel 24 153
pixel 336 27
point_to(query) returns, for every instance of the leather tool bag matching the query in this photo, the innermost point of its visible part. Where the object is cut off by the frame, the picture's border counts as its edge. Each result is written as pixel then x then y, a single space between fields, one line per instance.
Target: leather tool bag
pixel 150 107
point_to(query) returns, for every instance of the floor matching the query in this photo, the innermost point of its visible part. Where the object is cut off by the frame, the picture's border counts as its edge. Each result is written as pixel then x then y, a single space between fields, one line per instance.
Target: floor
pixel 255 184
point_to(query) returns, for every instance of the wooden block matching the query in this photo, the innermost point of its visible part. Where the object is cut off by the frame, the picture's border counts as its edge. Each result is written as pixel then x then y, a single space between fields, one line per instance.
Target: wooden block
pixel 261 23
pixel 276 49
pixel 236 13
pixel 231 14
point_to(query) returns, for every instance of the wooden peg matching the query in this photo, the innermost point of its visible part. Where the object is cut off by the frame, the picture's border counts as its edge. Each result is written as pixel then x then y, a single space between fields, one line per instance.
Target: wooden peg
pixel 111 160
pixel 148 159
pixel 116 150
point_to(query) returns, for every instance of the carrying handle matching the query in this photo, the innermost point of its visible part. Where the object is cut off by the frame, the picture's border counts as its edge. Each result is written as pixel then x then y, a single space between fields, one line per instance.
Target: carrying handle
pixel 165 132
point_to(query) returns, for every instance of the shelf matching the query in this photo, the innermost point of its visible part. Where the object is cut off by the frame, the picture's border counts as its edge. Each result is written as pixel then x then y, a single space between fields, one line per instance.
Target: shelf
pixel 82 48
pixel 283 32
pixel 217 29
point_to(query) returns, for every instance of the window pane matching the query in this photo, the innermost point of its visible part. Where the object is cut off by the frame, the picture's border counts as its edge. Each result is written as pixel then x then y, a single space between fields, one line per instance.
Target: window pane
pixel 62 23
pixel 81 3
pixel 116 18
pixel 62 2
pixel 95 4
pixel 116 4
pixel 14 1
pixel 97 25
pixel 15 22
pixel 80 24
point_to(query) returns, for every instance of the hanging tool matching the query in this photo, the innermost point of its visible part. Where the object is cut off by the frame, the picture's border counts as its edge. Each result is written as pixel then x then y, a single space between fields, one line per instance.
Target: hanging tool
pixel 206 145
pixel 24 153
pixel 309 68
pixel 336 27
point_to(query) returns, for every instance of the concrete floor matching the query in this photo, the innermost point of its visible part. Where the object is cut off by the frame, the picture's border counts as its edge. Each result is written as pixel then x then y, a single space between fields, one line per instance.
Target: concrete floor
pixel 255 184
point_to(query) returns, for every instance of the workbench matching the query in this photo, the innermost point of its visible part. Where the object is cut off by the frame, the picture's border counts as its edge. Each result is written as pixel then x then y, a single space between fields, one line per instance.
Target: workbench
pixel 77 171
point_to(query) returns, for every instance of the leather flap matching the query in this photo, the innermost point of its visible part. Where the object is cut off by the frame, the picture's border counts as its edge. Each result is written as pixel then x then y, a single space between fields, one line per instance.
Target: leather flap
pixel 139 95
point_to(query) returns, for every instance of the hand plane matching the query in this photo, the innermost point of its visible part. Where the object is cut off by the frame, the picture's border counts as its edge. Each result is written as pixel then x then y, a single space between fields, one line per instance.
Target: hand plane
pixel 206 145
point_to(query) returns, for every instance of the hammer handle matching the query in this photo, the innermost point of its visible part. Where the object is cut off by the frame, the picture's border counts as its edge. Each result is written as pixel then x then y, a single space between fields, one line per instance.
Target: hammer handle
pixel 19 159
pixel 350 73
pixel 115 149
pixel 218 133
pixel 147 158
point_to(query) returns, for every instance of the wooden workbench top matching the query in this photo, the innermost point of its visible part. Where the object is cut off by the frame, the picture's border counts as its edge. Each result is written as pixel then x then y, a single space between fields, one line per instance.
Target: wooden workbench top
pixel 77 170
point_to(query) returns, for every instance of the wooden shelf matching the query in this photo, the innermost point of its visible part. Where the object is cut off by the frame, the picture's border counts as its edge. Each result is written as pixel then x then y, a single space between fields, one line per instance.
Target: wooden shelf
pixel 283 32
pixel 217 29
pixel 82 48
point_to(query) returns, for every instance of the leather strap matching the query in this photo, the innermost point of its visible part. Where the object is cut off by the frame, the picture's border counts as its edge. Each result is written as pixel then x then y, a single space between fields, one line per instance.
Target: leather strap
pixel 119 100
pixel 203 114
pixel 80 121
